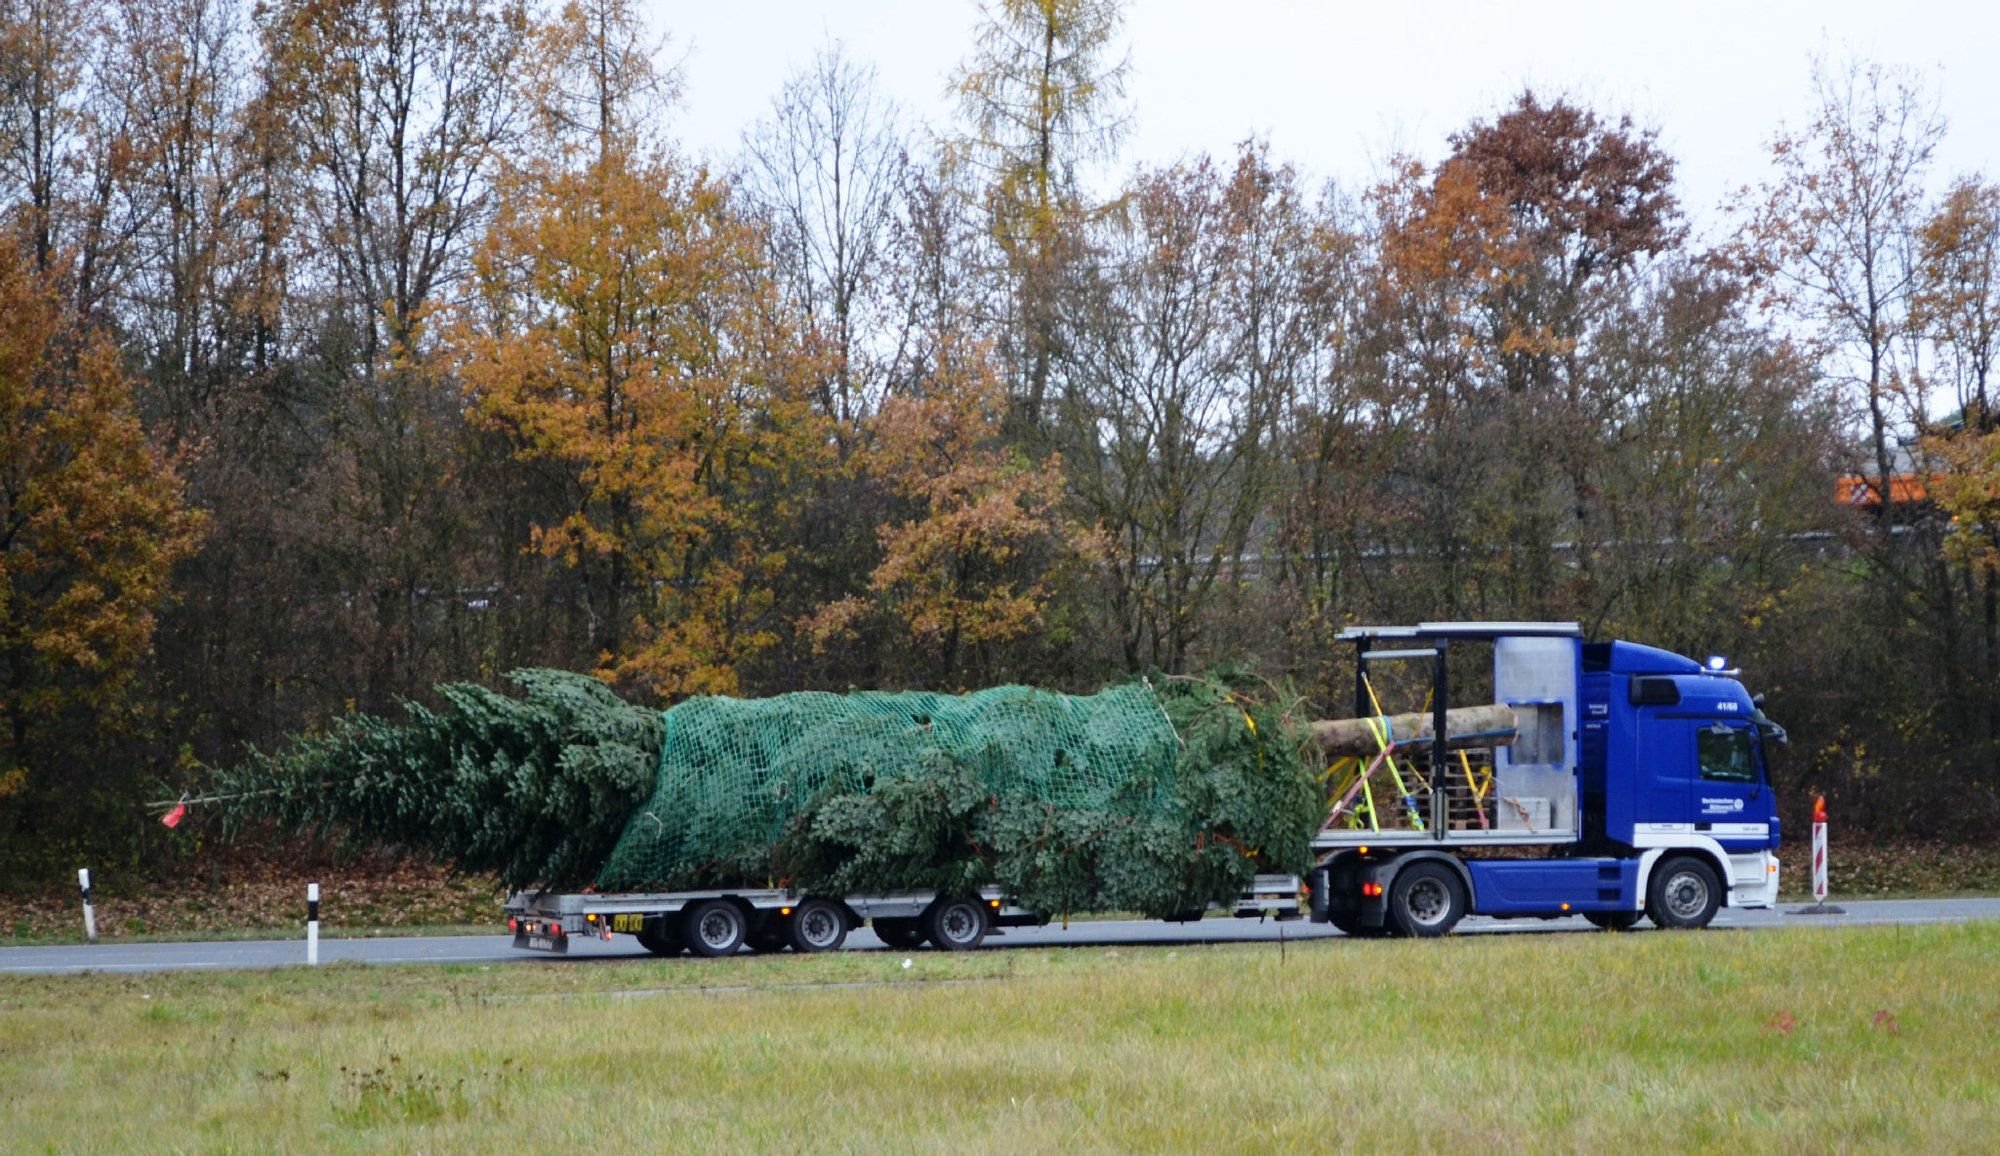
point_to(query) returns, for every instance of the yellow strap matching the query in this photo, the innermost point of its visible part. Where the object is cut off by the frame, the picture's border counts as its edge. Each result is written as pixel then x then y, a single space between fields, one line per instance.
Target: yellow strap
pixel 1369 684
pixel 1477 787
pixel 1402 790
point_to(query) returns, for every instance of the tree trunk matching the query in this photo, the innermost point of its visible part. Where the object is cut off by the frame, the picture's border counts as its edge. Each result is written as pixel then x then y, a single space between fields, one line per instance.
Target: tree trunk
pixel 1465 726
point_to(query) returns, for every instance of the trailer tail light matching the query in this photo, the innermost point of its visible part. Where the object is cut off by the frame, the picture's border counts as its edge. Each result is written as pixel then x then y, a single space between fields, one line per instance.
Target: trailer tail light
pixel 513 925
pixel 1371 890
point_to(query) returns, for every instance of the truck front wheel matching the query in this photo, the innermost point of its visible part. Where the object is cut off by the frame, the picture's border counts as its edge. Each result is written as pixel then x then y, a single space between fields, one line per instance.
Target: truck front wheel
pixel 1426 901
pixel 1683 895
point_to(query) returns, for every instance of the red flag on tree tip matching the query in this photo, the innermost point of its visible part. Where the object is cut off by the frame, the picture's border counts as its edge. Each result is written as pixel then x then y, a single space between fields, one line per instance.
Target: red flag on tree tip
pixel 173 818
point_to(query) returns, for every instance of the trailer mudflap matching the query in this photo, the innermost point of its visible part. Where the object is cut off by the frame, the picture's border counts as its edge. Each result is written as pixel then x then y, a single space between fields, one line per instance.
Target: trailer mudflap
pixel 554 944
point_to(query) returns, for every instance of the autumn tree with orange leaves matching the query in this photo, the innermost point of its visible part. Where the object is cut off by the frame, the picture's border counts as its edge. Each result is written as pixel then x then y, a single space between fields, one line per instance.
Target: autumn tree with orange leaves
pixel 1499 272
pixel 92 523
pixel 973 560
pixel 623 340
pixel 620 337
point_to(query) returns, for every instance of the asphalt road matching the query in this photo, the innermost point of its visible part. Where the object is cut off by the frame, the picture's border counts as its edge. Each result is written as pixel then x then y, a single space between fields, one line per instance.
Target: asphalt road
pixel 143 957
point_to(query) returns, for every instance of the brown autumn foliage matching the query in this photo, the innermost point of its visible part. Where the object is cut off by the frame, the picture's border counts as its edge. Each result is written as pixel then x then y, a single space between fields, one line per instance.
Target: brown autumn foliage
pixel 974 561
pixel 622 334
pixel 92 524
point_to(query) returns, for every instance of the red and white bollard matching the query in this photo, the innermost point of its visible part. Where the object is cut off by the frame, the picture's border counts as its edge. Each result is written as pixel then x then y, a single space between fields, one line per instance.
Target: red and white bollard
pixel 1819 848
pixel 1819 904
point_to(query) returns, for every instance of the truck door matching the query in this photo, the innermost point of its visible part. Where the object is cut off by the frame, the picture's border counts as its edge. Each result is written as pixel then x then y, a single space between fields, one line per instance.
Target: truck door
pixel 1732 801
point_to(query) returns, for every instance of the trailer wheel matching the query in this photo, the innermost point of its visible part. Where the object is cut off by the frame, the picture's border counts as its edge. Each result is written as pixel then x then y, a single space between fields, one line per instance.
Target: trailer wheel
pixel 956 924
pixel 901 934
pixel 657 938
pixel 1426 901
pixel 714 928
pixel 817 925
pixel 1683 895
pixel 1613 920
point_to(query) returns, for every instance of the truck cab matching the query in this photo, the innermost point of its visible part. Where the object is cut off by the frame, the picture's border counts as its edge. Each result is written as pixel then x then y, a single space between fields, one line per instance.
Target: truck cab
pixel 1672 755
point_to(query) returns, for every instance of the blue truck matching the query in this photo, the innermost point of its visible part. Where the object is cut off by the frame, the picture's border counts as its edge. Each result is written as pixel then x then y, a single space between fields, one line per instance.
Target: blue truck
pixel 1634 783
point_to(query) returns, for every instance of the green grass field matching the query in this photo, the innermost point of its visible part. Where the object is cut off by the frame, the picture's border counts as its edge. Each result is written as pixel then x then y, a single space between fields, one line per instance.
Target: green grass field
pixel 1800 1040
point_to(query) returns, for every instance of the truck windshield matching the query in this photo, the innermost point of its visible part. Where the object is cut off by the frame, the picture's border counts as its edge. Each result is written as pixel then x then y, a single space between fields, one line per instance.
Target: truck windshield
pixel 1725 754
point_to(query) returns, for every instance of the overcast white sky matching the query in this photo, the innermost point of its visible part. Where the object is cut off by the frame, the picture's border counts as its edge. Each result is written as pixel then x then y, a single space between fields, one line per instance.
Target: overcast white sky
pixel 1337 86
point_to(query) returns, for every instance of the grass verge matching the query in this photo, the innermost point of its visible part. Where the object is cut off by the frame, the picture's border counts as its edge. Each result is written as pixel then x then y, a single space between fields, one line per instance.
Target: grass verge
pixel 1804 1040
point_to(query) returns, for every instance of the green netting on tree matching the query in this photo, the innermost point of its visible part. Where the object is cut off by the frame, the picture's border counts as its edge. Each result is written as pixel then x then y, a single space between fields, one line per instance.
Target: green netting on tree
pixel 1129 799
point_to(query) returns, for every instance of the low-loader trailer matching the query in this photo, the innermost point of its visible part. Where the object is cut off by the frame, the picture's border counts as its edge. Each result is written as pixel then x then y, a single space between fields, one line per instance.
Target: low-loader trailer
pixel 722 922
pixel 1631 783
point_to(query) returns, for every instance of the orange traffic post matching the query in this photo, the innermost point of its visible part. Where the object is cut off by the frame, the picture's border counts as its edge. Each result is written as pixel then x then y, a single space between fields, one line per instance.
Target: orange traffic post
pixel 1819 905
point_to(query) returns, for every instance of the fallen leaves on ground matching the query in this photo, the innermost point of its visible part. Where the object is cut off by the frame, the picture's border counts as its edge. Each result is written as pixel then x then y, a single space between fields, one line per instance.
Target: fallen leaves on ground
pixel 265 888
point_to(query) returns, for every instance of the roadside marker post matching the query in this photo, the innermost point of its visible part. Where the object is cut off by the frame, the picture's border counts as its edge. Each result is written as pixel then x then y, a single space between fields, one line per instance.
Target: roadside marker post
pixel 1819 849
pixel 312 925
pixel 89 915
pixel 1819 904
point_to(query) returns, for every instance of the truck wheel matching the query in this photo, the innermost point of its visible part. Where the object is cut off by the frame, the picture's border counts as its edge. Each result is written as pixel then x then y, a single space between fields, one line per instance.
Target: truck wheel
pixel 956 924
pixel 1426 901
pixel 816 925
pixel 1683 895
pixel 1613 920
pixel 901 934
pixel 713 928
pixel 656 938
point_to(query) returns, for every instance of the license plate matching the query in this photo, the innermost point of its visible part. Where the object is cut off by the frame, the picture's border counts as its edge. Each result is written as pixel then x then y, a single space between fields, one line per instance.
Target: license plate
pixel 542 943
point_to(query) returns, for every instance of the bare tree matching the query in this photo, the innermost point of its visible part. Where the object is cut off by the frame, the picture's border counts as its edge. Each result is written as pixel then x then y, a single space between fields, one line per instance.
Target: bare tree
pixel 824 168
pixel 397 109
pixel 391 116
pixel 1836 230
pixel 180 68
pixel 1193 340
pixel 1042 96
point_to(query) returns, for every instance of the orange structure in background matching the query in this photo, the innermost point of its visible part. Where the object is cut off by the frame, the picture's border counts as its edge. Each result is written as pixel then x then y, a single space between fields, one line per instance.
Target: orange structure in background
pixel 1860 490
